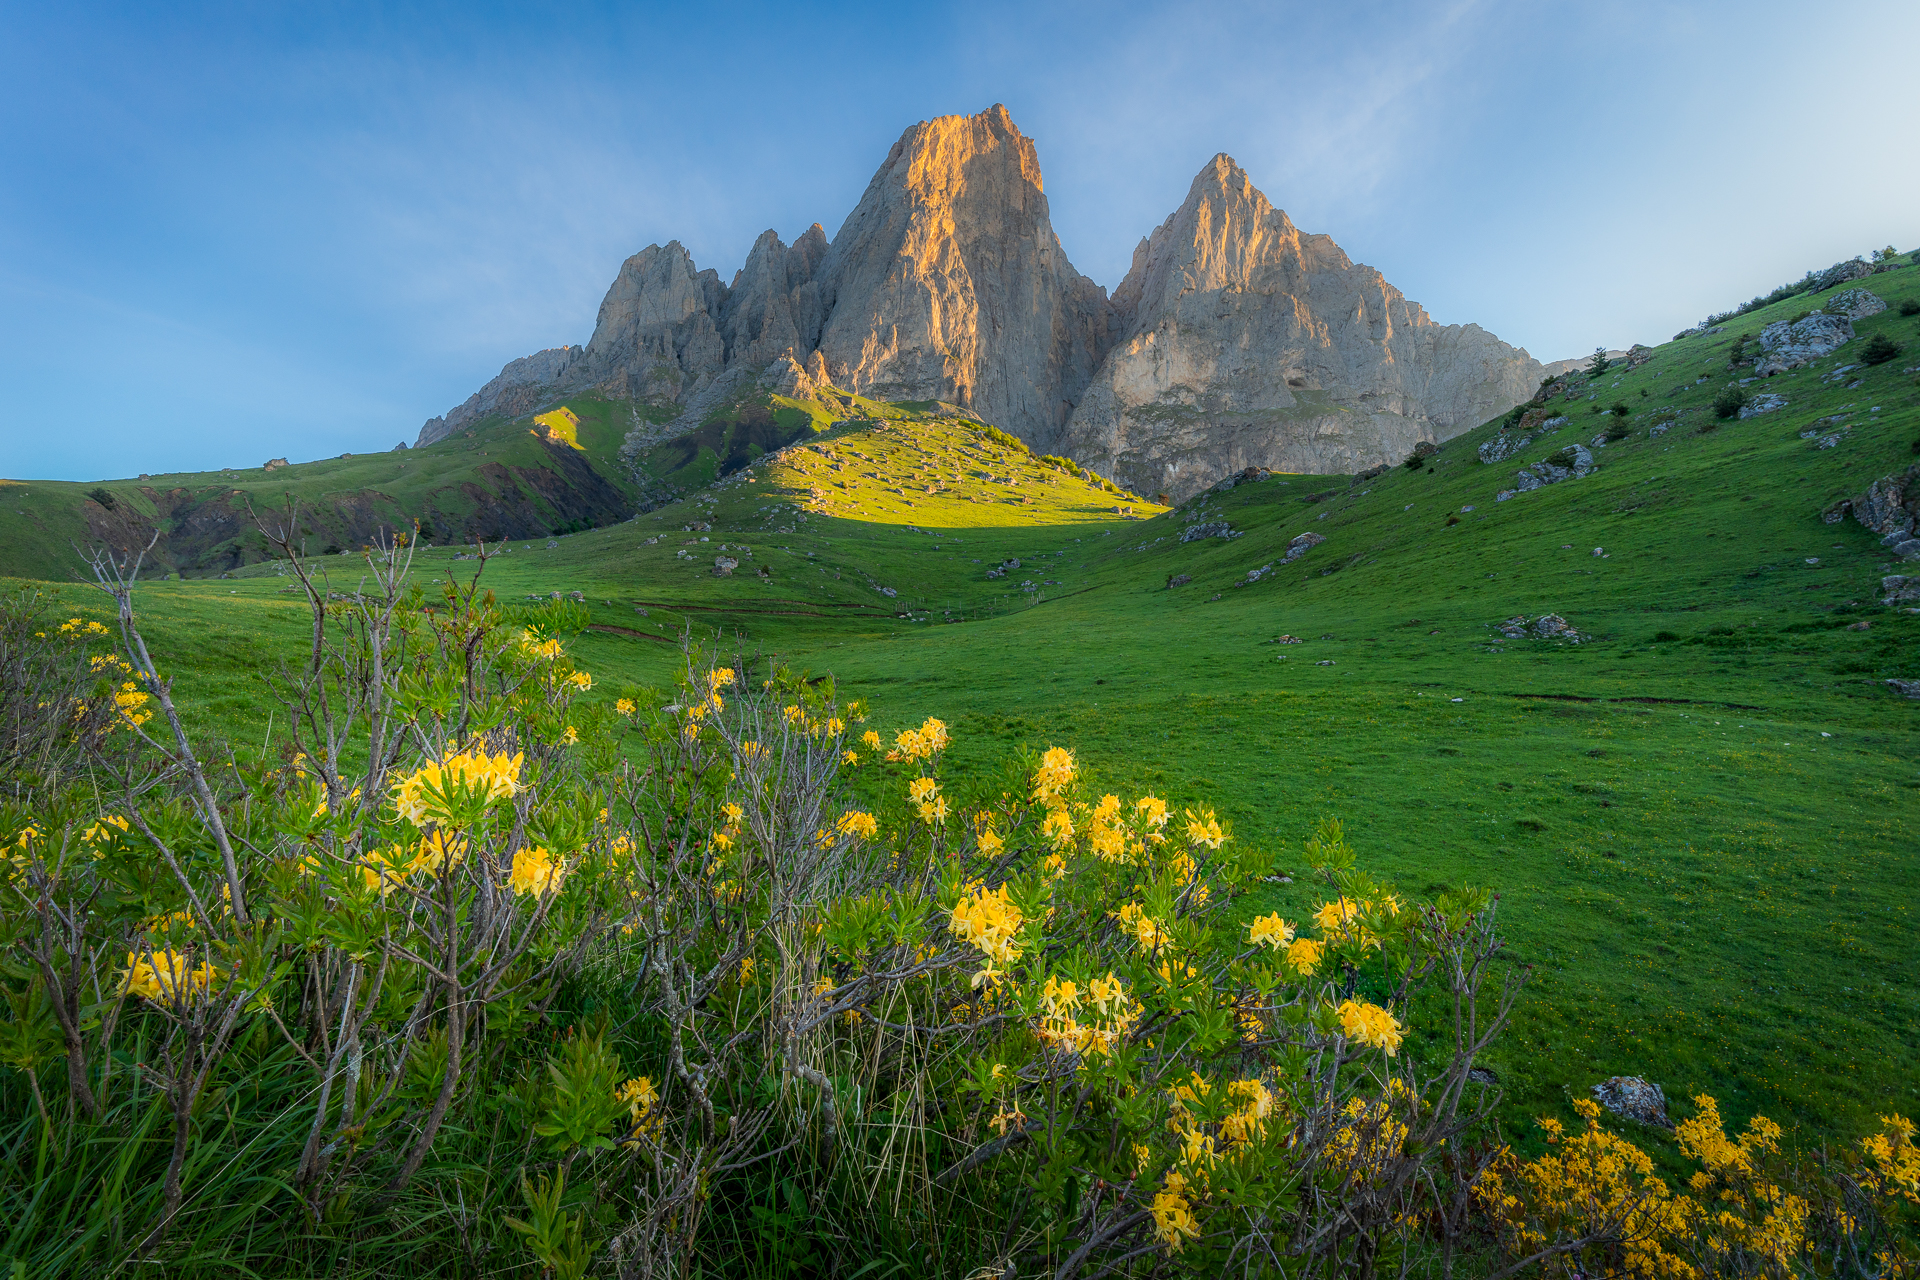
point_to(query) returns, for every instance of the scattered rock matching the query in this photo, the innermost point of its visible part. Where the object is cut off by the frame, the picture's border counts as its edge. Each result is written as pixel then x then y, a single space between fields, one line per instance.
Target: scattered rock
pixel 1482 1075
pixel 1209 529
pixel 272 464
pixel 1905 688
pixel 1788 344
pixel 1570 463
pixel 1324 662
pixel 1854 304
pixel 1301 545
pixel 1632 1098
pixel 1178 580
pixel 1425 448
pixel 889 592
pixel 1507 444
pixel 723 566
pixel 1286 640
pixel 1548 626
pixel 1840 273
pixel 1659 429
pixel 1254 575
pixel 1900 588
pixel 1765 402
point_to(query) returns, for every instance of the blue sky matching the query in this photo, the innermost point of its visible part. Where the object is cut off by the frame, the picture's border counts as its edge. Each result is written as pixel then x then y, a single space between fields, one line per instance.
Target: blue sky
pixel 229 233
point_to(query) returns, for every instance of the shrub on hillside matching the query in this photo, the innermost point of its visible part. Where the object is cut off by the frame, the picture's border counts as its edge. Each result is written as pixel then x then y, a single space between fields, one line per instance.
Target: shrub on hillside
pixel 1729 402
pixel 1620 409
pixel 1879 349
pixel 1911 307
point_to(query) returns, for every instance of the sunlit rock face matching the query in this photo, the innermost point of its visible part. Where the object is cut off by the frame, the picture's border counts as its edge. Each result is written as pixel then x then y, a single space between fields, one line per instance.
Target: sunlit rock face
pixel 948 283
pixel 1248 343
pixel 1234 341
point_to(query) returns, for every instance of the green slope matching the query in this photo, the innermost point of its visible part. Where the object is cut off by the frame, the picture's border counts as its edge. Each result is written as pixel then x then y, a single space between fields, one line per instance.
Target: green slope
pixel 1700 817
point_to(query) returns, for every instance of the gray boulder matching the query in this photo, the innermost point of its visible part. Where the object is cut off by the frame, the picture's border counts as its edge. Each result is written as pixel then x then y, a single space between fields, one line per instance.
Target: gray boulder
pixel 1209 529
pixel 1301 545
pixel 1900 588
pixel 1905 688
pixel 723 566
pixel 1570 463
pixel 1765 402
pixel 1788 344
pixel 1854 304
pixel 1632 1098
pixel 1840 273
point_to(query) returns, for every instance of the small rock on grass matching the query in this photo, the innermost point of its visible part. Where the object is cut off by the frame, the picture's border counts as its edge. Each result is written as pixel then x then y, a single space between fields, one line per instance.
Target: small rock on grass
pixel 1633 1098
pixel 1905 688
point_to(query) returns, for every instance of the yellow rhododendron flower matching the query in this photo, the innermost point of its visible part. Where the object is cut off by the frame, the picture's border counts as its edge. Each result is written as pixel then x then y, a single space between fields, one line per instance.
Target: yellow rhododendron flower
pixel 1371 1025
pixel 625 706
pixel 1304 955
pixel 534 647
pixel 1057 826
pixel 534 871
pixel 1270 931
pixel 422 796
pixel 1152 810
pixel 990 843
pixel 1145 929
pixel 1173 1220
pixel 991 922
pixel 166 975
pixel 920 790
pixel 581 681
pixel 871 740
pixel 1054 775
pixel 859 824
pixel 1204 828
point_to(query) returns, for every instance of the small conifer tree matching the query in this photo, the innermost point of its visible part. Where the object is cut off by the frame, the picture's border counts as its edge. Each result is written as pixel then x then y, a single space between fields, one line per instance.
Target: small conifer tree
pixel 1599 364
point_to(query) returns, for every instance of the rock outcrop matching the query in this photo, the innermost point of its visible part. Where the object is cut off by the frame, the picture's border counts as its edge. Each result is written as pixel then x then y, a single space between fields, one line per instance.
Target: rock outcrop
pixel 1235 341
pixel 1246 342
pixel 1788 344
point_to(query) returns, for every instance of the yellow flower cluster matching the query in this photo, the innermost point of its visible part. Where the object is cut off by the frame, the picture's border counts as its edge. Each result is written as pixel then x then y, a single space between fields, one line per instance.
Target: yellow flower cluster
pixel 857 823
pixel 927 800
pixel 167 975
pixel 640 1098
pixel 1270 931
pixel 424 796
pixel 1204 829
pixel 1370 1025
pixel 1145 929
pixel 1895 1158
pixel 543 650
pixel 1110 1015
pixel 74 626
pixel 1173 1220
pixel 131 703
pixel 988 920
pixel 1054 776
pixel 924 743
pixel 534 871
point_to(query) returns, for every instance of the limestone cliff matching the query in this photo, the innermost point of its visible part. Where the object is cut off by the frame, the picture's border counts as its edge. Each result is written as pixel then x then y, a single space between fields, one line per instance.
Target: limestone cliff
pixel 1249 343
pixel 1234 341
pixel 948 283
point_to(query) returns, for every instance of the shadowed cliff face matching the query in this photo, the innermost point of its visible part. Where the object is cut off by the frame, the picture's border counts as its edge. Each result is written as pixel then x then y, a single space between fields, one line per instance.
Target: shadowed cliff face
pixel 1234 341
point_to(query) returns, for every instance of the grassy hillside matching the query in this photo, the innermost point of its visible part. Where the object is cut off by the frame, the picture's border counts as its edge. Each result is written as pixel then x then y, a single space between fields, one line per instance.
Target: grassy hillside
pixel 1700 815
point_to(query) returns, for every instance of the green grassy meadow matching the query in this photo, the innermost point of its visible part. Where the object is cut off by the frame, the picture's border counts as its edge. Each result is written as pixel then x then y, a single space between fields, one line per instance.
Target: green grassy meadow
pixel 1700 819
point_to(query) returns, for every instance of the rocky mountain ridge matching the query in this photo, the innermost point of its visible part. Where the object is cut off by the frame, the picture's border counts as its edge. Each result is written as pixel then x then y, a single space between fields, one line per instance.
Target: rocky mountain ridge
pixel 1235 340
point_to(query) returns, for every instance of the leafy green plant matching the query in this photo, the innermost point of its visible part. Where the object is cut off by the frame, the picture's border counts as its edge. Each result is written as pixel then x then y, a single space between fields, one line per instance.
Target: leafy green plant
pixel 1879 349
pixel 1729 402
pixel 555 1237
